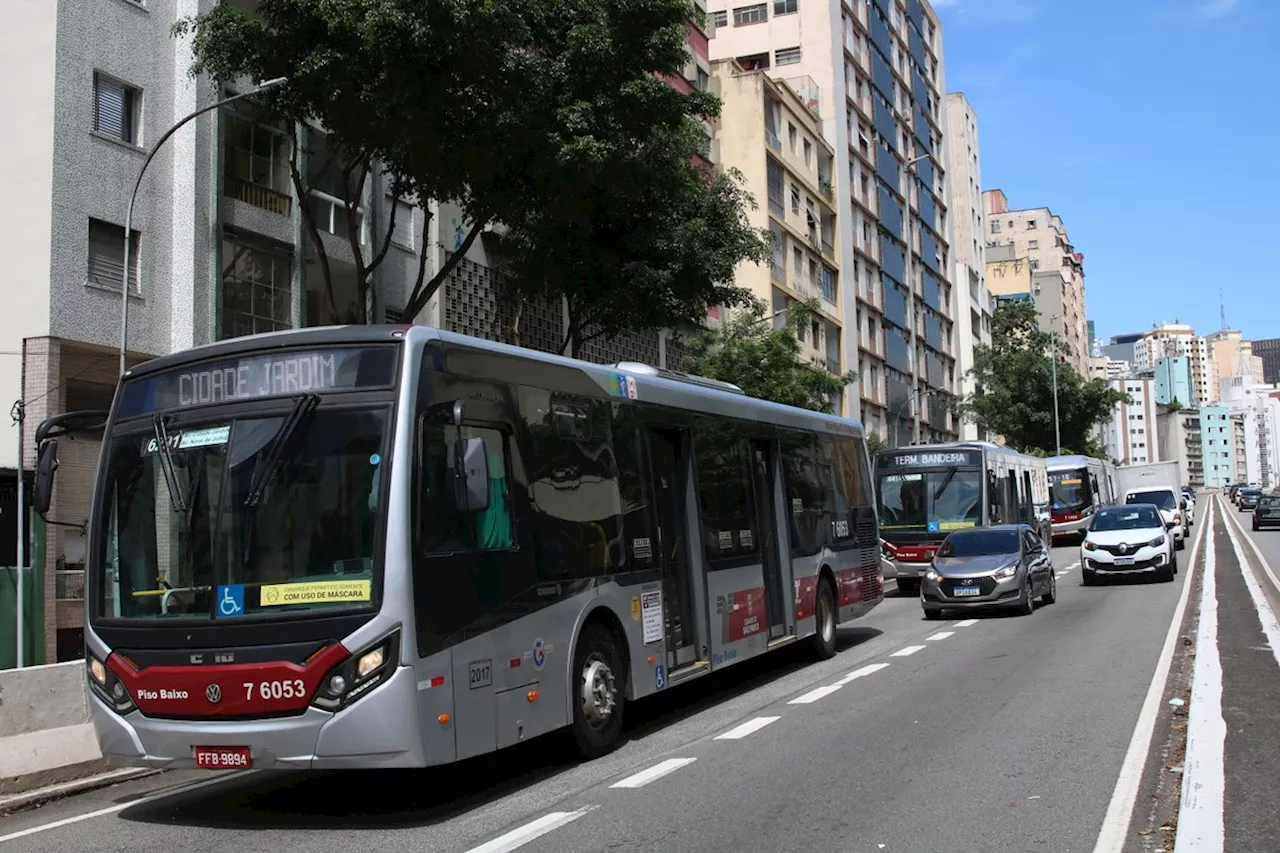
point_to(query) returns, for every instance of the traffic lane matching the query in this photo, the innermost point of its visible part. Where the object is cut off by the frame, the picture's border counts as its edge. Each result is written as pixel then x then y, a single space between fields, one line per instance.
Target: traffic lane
pixel 1003 737
pixel 463 801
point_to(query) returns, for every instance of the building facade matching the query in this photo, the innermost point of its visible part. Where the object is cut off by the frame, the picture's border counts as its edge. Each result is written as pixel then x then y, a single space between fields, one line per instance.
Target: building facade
pixel 1173 382
pixel 874 72
pixel 1232 355
pixel 1218 438
pixel 1268 350
pixel 1176 340
pixel 1130 435
pixel 1057 269
pixel 974 305
pixel 1179 438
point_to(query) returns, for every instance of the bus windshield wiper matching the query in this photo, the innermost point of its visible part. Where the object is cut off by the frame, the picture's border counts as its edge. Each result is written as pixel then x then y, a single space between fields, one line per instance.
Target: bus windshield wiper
pixel 945 482
pixel 165 454
pixel 301 411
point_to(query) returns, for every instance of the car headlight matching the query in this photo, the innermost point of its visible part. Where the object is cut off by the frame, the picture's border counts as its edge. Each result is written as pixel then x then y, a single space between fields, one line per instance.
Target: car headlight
pixel 1177 519
pixel 932 574
pixel 1157 542
pixel 1006 572
pixel 1090 545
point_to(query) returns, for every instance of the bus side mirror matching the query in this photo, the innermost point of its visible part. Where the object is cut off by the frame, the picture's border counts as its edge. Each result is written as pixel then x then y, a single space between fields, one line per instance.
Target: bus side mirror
pixel 471 466
pixel 46 467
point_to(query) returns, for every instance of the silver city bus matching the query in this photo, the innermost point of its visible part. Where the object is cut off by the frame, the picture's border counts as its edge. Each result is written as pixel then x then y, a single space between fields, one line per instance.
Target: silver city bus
pixel 376 546
pixel 1079 486
pixel 926 491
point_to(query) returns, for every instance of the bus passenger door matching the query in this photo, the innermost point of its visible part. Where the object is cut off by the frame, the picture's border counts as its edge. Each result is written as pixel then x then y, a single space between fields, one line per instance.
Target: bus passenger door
pixel 763 476
pixel 670 485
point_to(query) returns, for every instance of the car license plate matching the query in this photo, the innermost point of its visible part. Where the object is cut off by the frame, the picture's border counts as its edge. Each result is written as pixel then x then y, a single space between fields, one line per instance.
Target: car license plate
pixel 1124 561
pixel 223 757
pixel 962 591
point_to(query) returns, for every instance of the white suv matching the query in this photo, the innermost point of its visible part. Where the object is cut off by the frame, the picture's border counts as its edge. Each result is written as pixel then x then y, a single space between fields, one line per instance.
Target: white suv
pixel 1169 503
pixel 1127 540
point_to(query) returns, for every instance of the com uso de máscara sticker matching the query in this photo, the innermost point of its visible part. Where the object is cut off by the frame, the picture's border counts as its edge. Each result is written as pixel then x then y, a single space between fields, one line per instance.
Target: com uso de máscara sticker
pixel 319 592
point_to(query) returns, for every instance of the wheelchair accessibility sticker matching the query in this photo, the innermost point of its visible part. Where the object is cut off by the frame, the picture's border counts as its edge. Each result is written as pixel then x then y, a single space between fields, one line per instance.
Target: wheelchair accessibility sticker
pixel 231 600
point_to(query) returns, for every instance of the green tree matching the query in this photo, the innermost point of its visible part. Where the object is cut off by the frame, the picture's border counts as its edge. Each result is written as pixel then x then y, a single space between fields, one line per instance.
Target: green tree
pixel 764 361
pixel 518 111
pixel 1015 375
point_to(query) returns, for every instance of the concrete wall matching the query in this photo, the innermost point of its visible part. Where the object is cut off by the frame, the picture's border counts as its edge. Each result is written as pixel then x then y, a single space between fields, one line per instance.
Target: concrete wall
pixel 42 697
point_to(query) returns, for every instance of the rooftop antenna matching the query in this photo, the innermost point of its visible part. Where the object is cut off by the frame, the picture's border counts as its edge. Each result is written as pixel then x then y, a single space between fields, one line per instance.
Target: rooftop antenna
pixel 1222 308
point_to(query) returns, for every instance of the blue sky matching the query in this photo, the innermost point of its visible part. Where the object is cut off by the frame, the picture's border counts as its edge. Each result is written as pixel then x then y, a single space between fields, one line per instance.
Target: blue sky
pixel 1152 128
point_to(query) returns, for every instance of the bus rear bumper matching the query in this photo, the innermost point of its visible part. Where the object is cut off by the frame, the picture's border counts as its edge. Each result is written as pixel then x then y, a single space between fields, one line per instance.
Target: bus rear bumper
pixel 1071 528
pixel 379 730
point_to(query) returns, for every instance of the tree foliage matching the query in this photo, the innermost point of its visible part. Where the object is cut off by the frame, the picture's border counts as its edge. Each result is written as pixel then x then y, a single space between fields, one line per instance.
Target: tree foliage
pixel 1014 377
pixel 763 361
pixel 549 117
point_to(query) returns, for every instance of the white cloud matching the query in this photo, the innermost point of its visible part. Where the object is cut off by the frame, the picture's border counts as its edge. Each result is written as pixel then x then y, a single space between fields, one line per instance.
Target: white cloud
pixel 1203 11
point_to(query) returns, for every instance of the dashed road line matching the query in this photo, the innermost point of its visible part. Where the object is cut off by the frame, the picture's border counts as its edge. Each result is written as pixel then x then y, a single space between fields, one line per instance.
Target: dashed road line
pixel 749 727
pixel 859 673
pixel 966 623
pixel 814 695
pixel 941 635
pixel 657 771
pixel 908 650
pixel 522 835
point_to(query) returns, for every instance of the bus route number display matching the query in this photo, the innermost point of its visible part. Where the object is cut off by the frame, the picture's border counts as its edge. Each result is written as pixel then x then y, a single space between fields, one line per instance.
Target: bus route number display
pixel 933 459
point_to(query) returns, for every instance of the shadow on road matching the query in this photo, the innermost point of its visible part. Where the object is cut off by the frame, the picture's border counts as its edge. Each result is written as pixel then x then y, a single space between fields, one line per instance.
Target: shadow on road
pixel 388 799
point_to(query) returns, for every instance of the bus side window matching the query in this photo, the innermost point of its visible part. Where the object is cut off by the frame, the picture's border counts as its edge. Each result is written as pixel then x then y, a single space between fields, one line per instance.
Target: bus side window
pixel 808 493
pixel 993 498
pixel 446 528
pixel 730 530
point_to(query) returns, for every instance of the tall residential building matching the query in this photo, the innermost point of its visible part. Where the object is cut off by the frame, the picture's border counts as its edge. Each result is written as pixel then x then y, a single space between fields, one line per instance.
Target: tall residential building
pixel 873 70
pixel 968 222
pixel 1218 436
pixel 1259 405
pixel 1232 355
pixel 1240 447
pixel 1173 381
pixel 1179 437
pixel 1008 274
pixel 1129 435
pixel 1057 269
pixel 1173 340
pixel 1121 347
pixel 776 143
pixel 1268 350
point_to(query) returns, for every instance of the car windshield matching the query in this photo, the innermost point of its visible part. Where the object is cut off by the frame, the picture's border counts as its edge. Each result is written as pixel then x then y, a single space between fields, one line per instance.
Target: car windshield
pixel 1126 518
pixel 1252 493
pixel 204 545
pixel 980 543
pixel 1162 498
pixel 1070 489
pixel 936 500
pixel 1269 502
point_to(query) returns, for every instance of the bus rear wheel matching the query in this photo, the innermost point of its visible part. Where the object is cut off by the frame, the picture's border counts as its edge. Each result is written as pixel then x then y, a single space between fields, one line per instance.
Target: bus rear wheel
pixel 599 692
pixel 824 635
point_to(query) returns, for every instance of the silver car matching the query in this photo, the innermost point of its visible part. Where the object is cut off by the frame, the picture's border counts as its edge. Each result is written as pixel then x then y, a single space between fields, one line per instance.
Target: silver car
pixel 1005 566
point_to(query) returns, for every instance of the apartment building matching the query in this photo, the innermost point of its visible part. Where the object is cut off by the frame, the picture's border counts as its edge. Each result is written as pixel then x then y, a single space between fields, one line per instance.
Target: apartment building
pixel 1218 436
pixel 1179 437
pixel 1240 447
pixel 1178 340
pixel 1232 355
pixel 1173 382
pixel 1268 350
pixel 874 72
pixel 777 144
pixel 1057 269
pixel 974 304
pixel 1259 408
pixel 1130 435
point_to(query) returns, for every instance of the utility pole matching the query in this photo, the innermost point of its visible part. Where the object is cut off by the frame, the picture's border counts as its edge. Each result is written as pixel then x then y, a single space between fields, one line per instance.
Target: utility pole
pixel 912 316
pixel 1053 343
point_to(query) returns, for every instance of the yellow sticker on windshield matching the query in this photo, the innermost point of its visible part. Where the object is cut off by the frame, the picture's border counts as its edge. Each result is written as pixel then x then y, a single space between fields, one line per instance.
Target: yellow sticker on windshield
pixel 956 525
pixel 319 592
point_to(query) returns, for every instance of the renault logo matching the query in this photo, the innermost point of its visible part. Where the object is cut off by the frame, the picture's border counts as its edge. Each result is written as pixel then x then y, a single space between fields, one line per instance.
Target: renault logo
pixel 213 693
pixel 1124 549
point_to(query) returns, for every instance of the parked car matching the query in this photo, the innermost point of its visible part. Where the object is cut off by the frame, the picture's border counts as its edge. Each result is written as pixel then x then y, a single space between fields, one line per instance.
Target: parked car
pixel 1267 512
pixel 1249 499
pixel 1003 566
pixel 1128 540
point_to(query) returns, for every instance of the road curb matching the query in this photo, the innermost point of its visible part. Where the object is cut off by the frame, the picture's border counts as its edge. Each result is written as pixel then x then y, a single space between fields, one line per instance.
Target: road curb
pixel 40 796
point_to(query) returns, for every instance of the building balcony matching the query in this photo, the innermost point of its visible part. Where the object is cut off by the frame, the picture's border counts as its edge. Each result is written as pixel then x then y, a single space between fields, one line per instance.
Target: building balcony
pixel 258 195
pixel 807 89
pixel 69 584
pixel 772 140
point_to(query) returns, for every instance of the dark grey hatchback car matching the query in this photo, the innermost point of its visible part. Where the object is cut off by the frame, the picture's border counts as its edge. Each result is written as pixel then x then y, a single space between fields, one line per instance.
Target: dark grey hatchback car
pixel 1005 566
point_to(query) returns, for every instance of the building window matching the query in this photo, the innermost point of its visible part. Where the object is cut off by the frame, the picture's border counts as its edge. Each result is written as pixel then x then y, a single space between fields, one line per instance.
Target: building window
pixel 795 199
pixel 1035 265
pixel 256 163
pixel 744 15
pixel 115 108
pixel 785 7
pixel 786 56
pixel 701 81
pixel 1033 244
pixel 106 255
pixel 1031 224
pixel 995 226
pixel 257 289
pixel 402 232
pixel 721 18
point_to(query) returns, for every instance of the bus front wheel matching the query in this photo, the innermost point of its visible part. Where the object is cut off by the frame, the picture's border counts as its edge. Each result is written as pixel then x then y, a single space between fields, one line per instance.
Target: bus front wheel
pixel 824 636
pixel 600 692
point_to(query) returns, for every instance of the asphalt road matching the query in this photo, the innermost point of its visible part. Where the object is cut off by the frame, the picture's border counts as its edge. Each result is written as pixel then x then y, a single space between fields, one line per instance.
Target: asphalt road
pixel 999 734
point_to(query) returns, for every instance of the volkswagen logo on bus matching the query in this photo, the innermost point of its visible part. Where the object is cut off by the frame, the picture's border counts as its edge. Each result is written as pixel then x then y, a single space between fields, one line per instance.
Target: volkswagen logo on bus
pixel 213 693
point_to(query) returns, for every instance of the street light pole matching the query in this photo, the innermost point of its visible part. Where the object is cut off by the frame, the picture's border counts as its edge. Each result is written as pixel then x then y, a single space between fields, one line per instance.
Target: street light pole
pixel 1053 343
pixel 907 171
pixel 128 214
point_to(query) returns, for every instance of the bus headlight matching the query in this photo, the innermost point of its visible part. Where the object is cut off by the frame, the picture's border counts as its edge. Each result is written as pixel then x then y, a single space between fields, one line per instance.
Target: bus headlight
pixel 110 689
pixel 359 674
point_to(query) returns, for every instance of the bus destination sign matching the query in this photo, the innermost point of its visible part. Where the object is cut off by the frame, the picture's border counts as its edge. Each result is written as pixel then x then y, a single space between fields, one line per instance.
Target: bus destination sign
pixel 254 377
pixel 932 459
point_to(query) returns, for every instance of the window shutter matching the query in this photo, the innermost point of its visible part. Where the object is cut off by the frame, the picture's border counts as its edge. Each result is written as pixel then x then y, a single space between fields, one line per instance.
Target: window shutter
pixel 402 234
pixel 111 108
pixel 106 255
pixel 394 316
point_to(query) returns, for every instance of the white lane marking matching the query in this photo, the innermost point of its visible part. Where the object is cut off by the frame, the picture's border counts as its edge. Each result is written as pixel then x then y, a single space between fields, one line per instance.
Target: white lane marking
pixel 859 673
pixel 903 652
pixel 941 635
pixel 1204 781
pixel 814 695
pixel 657 771
pixel 1266 567
pixel 1114 833
pixel 966 623
pixel 749 727
pixel 522 835
pixel 44 827
pixel 1266 615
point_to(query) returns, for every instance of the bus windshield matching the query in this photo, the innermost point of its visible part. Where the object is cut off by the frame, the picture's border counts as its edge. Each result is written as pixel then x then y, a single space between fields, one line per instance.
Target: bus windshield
pixel 226 531
pixel 1070 489
pixel 936 500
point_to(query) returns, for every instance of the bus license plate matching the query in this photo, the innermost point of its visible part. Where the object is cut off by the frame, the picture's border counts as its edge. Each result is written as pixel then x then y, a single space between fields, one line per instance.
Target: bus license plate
pixel 1124 561
pixel 962 591
pixel 222 757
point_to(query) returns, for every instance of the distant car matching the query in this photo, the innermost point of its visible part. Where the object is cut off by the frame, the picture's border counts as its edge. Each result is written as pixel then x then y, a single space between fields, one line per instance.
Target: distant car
pixel 1189 506
pixel 1170 507
pixel 1249 499
pixel 1128 540
pixel 1267 512
pixel 1004 566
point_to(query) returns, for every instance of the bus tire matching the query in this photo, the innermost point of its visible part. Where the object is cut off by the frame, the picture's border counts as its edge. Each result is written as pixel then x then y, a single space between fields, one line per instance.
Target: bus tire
pixel 599 694
pixel 824 628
